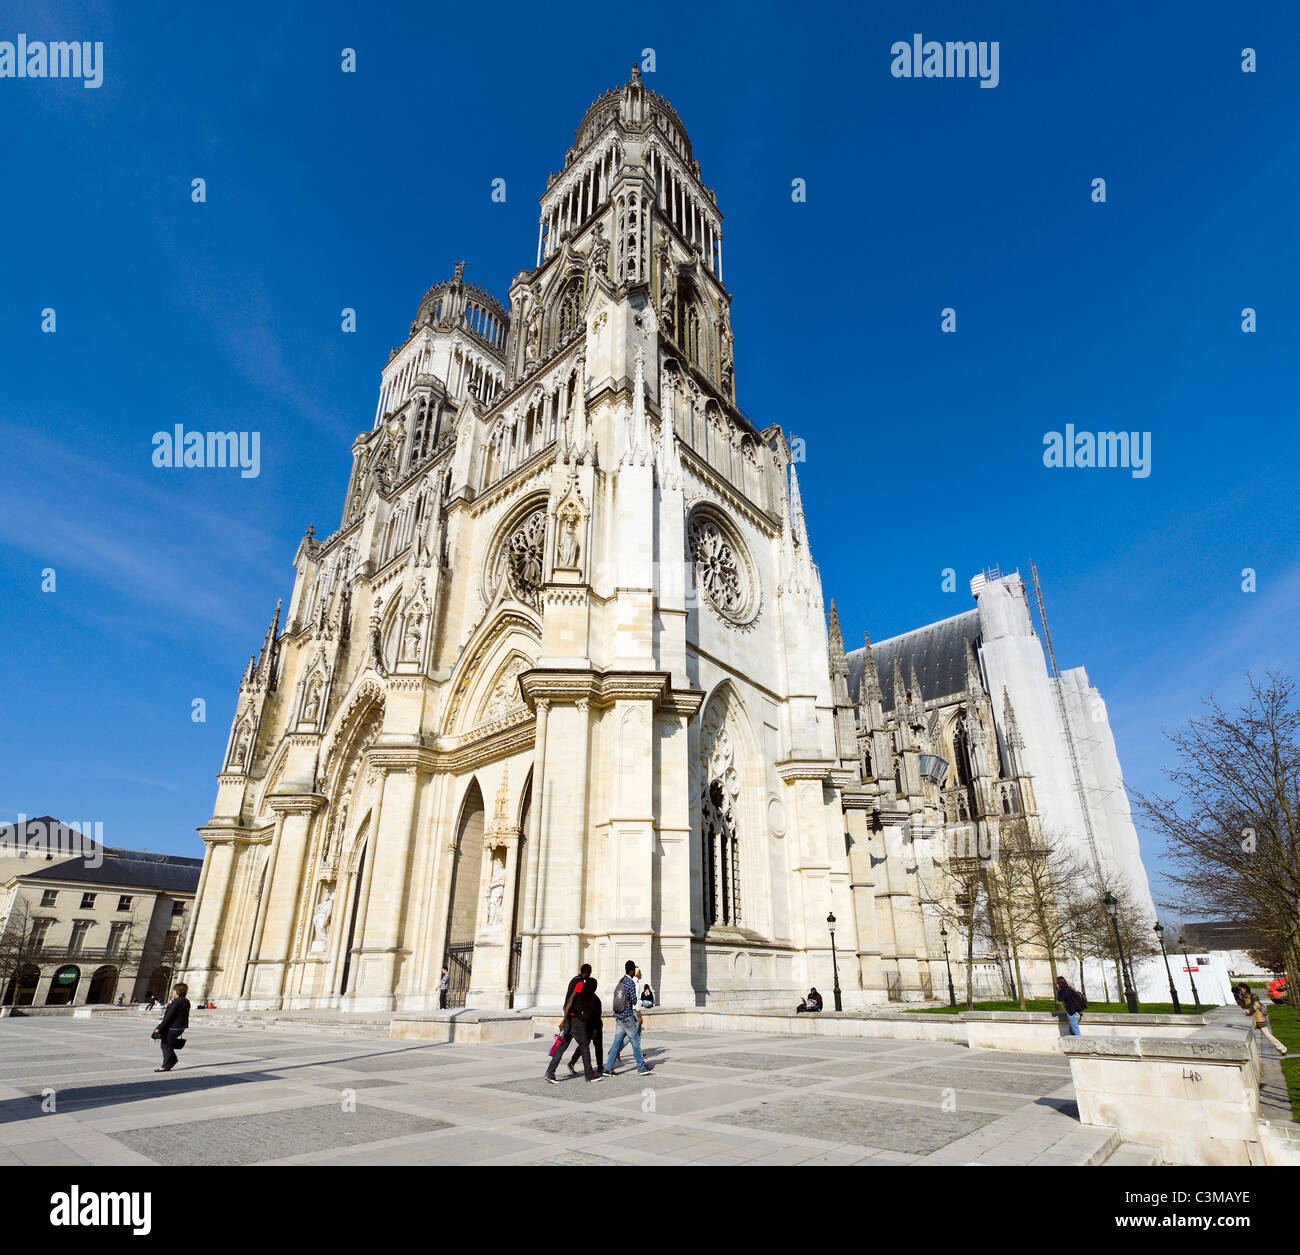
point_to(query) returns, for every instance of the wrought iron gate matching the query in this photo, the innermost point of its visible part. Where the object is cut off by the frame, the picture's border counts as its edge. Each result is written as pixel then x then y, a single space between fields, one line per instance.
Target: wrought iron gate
pixel 516 955
pixel 460 962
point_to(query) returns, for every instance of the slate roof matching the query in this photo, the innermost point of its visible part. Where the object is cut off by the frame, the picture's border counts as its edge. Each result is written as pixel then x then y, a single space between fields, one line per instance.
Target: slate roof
pixel 938 651
pixel 130 869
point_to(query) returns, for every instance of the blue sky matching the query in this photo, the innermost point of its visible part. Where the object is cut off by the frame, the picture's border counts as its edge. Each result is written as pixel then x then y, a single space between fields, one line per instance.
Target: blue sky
pixel 924 450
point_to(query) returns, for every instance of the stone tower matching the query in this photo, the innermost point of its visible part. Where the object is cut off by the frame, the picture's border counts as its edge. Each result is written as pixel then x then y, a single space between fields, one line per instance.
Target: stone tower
pixel 559 687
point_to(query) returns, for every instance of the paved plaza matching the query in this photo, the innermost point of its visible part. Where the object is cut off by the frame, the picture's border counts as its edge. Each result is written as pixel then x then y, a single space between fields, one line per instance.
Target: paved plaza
pixel 255 1096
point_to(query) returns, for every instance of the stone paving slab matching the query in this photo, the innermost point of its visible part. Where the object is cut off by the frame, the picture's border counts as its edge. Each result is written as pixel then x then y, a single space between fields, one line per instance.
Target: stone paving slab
pixel 244 1095
pixel 1002 1082
pixel 258 1138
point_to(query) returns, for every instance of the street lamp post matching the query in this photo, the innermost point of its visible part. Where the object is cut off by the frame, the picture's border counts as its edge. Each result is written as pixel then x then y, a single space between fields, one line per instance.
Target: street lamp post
pixel 1173 993
pixel 952 993
pixel 835 967
pixel 1129 996
pixel 1182 945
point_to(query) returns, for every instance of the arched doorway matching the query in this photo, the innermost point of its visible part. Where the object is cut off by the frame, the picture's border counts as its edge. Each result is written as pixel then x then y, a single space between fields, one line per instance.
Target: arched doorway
pixel 103 984
pixel 361 843
pixel 63 988
pixel 521 875
pixel 21 990
pixel 466 875
pixel 160 983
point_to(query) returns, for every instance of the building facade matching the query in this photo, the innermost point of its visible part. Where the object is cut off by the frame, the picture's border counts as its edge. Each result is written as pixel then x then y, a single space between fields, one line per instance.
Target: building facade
pixel 90 929
pixel 560 687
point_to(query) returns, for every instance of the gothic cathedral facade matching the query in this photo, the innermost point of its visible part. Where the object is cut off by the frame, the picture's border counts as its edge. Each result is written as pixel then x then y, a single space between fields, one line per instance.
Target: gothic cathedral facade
pixel 560 687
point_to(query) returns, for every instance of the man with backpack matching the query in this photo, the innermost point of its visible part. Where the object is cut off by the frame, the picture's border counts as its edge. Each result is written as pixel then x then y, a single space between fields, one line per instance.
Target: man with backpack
pixel 628 1018
pixel 1073 1002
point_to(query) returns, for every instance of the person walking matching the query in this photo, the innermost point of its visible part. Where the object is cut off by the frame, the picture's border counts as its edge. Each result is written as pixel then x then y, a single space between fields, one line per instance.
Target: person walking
pixel 595 1031
pixel 175 1020
pixel 444 984
pixel 566 1024
pixel 1254 1007
pixel 627 1016
pixel 584 1008
pixel 1073 1002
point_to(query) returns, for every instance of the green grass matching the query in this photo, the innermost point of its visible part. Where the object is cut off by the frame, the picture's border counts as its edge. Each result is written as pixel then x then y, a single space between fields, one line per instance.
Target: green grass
pixel 1045 1004
pixel 1285 1023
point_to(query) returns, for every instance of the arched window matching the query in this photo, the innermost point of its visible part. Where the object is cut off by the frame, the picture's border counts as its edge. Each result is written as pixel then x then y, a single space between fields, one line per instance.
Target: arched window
pixel 721 855
pixel 691 334
pixel 961 753
pixel 569 311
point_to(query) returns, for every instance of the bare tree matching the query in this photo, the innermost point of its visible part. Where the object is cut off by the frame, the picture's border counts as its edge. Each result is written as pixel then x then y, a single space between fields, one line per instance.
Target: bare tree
pixel 1006 887
pixel 1232 829
pixel 966 906
pixel 1051 882
pixel 17 946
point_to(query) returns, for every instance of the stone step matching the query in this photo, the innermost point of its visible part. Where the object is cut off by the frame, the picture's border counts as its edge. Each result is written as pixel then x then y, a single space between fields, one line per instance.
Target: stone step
pixel 1082 1147
pixel 1133 1155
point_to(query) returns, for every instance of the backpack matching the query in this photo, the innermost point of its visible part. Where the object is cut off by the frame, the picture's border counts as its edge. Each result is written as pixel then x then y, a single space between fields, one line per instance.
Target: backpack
pixel 620 999
pixel 1083 1002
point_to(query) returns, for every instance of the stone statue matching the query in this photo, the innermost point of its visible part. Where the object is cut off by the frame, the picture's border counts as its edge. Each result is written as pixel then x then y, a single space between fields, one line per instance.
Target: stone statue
pixel 376 640
pixel 320 920
pixel 533 324
pixel 599 255
pixel 667 284
pixel 569 547
pixel 496 895
pixel 411 640
pixel 312 708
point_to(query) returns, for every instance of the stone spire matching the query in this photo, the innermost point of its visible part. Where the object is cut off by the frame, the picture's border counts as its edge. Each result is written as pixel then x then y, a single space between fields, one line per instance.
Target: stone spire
pixel 846 738
pixel 670 462
pixel 839 663
pixel 870 689
pixel 790 570
pixel 796 512
pixel 974 685
pixel 637 452
pixel 266 658
pixel 900 692
pixel 1014 739
pixel 579 434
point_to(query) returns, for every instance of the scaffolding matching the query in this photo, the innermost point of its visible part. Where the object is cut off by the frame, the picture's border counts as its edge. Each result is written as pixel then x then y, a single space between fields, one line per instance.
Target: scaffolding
pixel 1084 807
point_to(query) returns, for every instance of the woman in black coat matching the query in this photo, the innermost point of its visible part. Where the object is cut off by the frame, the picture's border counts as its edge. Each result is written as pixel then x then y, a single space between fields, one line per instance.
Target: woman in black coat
pixel 175 1020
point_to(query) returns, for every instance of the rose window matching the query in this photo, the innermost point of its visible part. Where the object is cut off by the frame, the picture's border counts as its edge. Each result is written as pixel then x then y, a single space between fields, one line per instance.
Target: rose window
pixel 719 571
pixel 524 557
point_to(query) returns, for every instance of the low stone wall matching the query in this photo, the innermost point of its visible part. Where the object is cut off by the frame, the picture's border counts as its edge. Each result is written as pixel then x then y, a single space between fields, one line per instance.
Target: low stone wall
pixel 1038 1032
pixel 463 1027
pixel 1195 1098
pixel 1280 1142
pixel 1041 1031
pixel 824 1024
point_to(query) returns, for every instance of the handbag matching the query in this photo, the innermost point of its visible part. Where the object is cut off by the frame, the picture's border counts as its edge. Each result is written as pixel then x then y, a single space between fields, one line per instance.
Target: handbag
pixel 555 1045
pixel 178 1044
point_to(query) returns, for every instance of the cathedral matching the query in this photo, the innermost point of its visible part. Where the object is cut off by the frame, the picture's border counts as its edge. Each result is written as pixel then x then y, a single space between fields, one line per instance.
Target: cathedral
pixel 561 687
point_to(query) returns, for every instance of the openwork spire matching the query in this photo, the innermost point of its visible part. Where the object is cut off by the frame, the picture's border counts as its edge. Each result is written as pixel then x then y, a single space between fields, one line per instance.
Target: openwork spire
pixel 839 663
